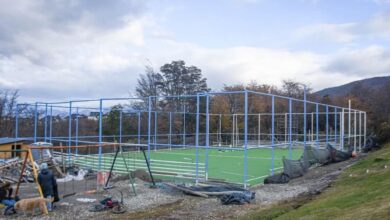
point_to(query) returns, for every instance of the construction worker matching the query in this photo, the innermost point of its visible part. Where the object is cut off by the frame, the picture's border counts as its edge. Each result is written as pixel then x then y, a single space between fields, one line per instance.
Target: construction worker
pixel 48 184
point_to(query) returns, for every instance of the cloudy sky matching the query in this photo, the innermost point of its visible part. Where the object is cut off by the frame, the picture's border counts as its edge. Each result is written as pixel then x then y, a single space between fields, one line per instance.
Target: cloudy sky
pixel 67 49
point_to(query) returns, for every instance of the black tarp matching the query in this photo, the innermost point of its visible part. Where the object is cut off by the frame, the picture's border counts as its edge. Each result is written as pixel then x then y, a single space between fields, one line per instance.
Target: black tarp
pixel 237 198
pixel 371 144
pixel 297 168
pixel 338 155
pixel 277 178
pixel 293 168
pixel 228 194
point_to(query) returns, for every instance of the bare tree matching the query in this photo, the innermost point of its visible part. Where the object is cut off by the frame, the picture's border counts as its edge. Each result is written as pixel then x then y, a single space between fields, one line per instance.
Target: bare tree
pixel 8 100
pixel 295 89
pixel 148 83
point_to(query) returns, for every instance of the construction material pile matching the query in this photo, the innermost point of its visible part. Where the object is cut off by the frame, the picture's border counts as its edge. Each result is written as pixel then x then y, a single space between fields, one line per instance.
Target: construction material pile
pixel 10 170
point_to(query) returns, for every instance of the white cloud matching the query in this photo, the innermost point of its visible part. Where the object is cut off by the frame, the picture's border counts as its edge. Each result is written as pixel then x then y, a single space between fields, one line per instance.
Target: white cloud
pixel 373 60
pixel 376 26
pixel 271 66
pixel 243 64
pixel 379 25
pixel 82 58
pixel 341 33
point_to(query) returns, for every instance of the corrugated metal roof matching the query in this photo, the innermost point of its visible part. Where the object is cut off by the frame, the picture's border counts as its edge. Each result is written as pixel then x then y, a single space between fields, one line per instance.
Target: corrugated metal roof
pixel 7 140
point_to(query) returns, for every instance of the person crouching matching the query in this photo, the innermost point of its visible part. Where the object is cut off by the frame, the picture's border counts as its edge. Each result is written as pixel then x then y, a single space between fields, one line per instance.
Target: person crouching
pixel 6 198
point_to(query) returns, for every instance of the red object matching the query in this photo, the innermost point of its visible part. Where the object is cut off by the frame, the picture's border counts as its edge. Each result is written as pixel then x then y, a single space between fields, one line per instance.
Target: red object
pixel 110 203
pixel 102 178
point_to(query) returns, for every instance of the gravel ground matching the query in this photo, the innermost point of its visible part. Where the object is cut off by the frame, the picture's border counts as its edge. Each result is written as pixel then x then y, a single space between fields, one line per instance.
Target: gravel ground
pixel 166 203
pixel 314 182
pixel 71 208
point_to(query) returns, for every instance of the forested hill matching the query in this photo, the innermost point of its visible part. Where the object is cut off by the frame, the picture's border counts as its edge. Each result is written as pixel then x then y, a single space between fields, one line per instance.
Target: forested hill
pixel 343 90
pixel 371 95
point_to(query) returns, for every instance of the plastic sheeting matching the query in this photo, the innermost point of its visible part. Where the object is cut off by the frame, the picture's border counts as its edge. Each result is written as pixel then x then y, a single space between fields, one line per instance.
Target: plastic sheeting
pixel 293 168
pixel 228 194
pixel 277 178
pixel 80 176
pixel 321 156
pixel 338 155
pixel 371 144
pixel 297 168
pixel 237 198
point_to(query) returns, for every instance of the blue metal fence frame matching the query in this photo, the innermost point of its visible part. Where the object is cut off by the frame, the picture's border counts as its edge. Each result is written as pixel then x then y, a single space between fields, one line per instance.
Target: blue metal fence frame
pixel 49 106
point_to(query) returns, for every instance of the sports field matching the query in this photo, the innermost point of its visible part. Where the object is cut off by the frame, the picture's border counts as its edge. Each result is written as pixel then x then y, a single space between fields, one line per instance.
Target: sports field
pixel 227 165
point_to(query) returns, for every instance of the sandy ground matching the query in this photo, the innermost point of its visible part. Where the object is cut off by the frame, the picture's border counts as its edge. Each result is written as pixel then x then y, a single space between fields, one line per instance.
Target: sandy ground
pixel 167 203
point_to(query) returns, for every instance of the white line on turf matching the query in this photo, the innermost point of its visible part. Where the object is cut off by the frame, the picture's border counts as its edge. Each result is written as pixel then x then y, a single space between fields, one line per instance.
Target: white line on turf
pixel 210 155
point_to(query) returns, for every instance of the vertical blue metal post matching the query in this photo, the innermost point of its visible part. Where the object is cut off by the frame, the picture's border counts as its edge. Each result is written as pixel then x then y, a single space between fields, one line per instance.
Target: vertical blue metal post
pixel 290 128
pixel 17 121
pixel 317 126
pixel 273 136
pixel 246 140
pixel 120 126
pixel 170 130
pixel 139 127
pixel 342 129
pixel 259 131
pixel 69 130
pixel 233 130
pixel 335 125
pixel 349 122
pixel 304 116
pixel 197 140
pixel 184 126
pixel 51 125
pixel 100 133
pixel 77 131
pixel 207 136
pixel 149 124
pixel 360 131
pixel 35 122
pixel 155 129
pixel 327 125
pixel 365 127
pixel 45 127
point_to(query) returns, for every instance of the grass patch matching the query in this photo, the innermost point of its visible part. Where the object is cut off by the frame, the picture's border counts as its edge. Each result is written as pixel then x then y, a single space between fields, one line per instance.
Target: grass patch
pixel 361 192
pixel 274 211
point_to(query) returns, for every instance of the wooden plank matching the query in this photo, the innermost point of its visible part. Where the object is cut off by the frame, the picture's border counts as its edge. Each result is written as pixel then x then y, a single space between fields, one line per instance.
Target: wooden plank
pixel 57 167
pixel 35 172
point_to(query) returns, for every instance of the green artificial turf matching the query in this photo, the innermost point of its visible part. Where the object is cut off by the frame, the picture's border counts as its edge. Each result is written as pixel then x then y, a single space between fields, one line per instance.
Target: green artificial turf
pixel 227 165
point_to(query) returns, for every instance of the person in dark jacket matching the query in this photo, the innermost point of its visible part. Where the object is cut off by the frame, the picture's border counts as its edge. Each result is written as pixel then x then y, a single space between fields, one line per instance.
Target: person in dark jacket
pixel 6 197
pixel 48 184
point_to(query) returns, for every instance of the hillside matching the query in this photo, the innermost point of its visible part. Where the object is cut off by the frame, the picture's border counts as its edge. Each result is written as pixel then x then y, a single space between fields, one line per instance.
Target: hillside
pixel 373 83
pixel 361 192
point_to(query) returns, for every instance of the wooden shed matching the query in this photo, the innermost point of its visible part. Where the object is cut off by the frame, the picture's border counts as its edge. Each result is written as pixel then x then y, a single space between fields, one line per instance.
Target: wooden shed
pixel 9 144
